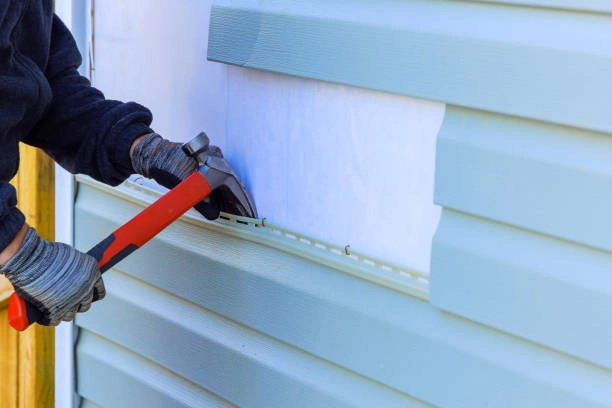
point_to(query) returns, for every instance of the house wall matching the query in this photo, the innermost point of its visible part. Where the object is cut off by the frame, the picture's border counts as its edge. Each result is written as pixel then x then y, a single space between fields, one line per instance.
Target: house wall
pixel 342 164
pixel 316 108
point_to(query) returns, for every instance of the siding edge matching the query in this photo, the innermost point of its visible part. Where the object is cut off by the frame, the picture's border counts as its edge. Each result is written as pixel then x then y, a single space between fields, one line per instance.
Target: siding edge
pixel 400 278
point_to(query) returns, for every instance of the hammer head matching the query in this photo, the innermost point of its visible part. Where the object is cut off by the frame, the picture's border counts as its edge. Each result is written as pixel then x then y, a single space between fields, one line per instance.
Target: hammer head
pixel 226 187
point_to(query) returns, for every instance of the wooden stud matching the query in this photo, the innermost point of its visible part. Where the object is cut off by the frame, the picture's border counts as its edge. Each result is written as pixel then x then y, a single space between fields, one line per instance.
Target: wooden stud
pixel 10 352
pixel 27 359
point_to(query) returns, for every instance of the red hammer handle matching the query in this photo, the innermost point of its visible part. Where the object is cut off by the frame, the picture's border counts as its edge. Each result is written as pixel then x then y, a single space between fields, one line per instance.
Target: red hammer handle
pixel 127 238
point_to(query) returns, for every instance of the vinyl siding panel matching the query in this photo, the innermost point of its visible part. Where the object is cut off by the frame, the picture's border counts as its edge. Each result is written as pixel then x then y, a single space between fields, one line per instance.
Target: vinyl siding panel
pixel 547 178
pixel 523 243
pixel 537 287
pixel 116 377
pixel 258 326
pixel 228 358
pixel 542 64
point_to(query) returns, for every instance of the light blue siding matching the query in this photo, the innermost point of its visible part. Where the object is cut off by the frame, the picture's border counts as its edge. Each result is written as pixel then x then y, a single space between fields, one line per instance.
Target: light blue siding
pixel 234 318
pixel 537 287
pixel 116 377
pixel 542 64
pixel 258 326
pixel 547 178
pixel 522 243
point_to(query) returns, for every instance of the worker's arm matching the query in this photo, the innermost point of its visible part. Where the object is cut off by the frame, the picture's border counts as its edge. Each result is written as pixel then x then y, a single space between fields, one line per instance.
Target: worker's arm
pixel 13 246
pixel 89 134
pixel 85 133
pixel 11 219
pixel 82 130
pixel 60 281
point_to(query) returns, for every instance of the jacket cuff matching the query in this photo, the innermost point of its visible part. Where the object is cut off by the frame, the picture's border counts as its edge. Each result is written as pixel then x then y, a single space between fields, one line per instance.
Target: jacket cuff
pixel 123 162
pixel 10 225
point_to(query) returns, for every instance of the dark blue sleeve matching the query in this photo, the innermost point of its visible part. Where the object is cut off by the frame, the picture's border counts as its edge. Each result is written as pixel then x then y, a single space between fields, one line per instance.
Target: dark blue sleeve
pixel 11 219
pixel 81 130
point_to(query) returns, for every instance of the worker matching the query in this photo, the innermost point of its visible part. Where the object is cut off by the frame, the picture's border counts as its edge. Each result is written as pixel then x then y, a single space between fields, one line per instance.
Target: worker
pixel 44 102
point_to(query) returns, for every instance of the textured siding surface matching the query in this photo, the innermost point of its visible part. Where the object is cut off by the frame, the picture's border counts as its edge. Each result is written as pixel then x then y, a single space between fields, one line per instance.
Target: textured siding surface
pixel 201 317
pixel 535 62
pixel 522 162
pixel 524 240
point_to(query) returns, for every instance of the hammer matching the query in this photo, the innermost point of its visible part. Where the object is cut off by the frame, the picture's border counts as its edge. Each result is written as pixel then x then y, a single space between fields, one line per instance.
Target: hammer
pixel 213 173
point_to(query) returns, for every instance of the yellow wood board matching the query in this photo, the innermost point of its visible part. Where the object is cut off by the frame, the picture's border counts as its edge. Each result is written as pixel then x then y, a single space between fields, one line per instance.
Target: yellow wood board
pixel 9 344
pixel 5 291
pixel 26 359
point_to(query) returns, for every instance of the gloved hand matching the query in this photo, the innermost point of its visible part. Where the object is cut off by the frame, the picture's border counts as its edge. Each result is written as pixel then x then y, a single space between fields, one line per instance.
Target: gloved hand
pixel 166 162
pixel 54 277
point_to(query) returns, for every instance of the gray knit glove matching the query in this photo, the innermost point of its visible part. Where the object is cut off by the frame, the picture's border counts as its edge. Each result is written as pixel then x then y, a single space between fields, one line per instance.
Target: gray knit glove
pixel 55 278
pixel 166 162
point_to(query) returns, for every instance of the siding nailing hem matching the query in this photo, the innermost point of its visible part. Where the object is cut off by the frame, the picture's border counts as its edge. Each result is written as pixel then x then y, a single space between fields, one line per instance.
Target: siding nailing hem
pixel 142 192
